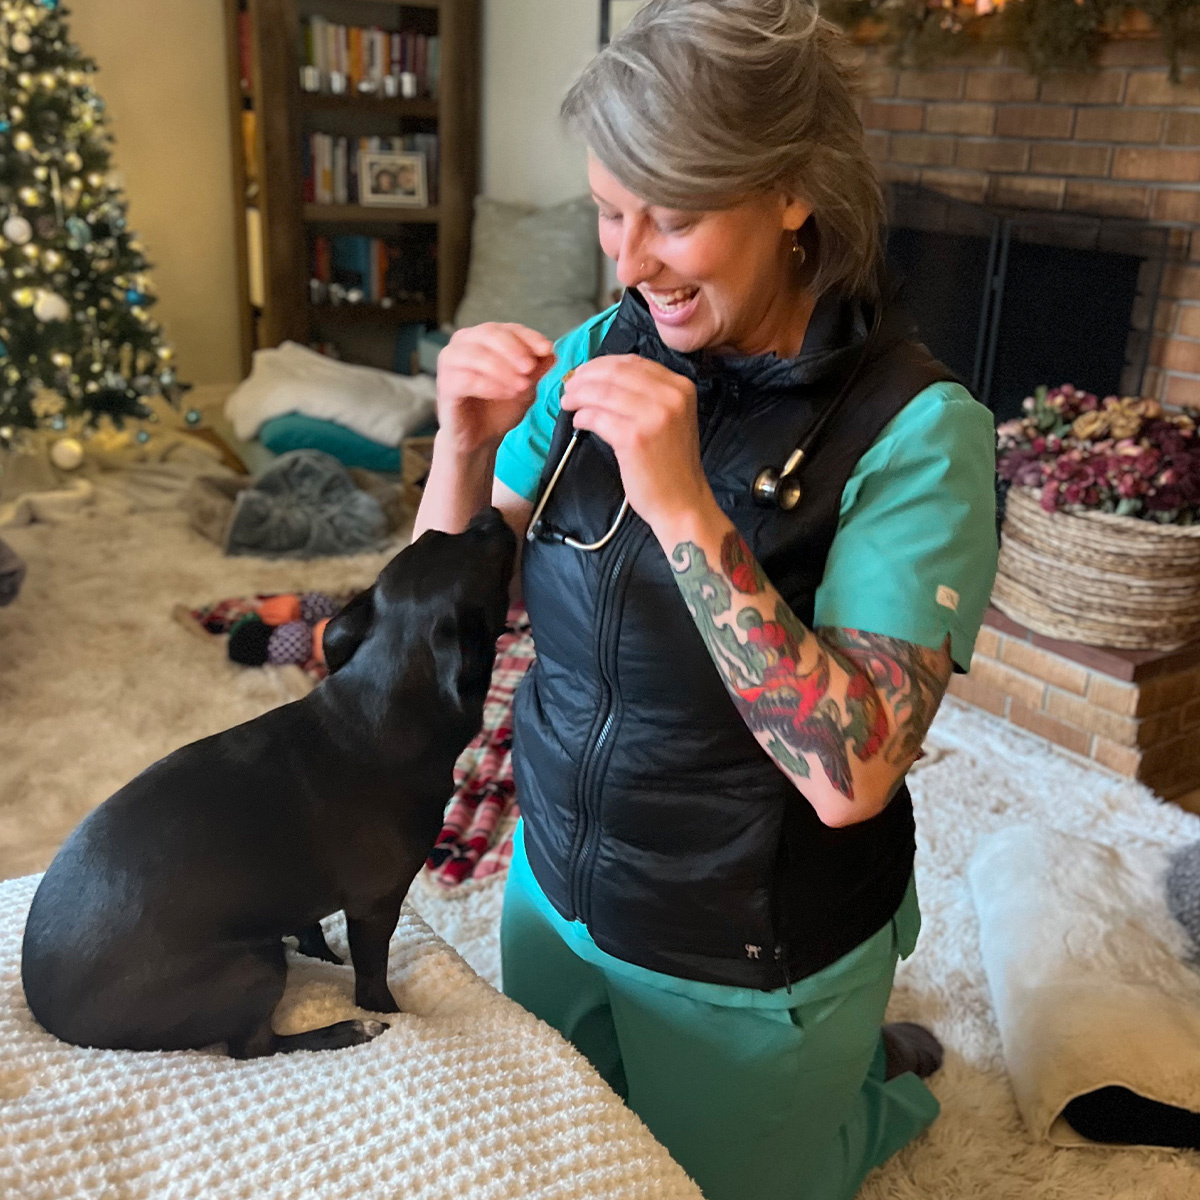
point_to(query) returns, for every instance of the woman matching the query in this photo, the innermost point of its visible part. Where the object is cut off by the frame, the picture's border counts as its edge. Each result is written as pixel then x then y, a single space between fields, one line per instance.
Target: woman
pixel 713 877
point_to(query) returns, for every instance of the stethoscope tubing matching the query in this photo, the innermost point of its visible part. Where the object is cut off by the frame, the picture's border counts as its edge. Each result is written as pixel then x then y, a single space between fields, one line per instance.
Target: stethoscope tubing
pixel 531 533
pixel 769 487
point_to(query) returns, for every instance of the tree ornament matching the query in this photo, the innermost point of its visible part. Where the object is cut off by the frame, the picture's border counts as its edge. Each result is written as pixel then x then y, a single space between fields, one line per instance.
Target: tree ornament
pixel 30 197
pixel 21 43
pixel 18 230
pixel 25 297
pixel 80 232
pixel 23 142
pixel 52 260
pixel 50 306
pixel 67 453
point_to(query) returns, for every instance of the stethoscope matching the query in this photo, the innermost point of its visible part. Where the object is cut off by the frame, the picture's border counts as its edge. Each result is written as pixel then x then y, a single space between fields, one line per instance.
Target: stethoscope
pixel 772 486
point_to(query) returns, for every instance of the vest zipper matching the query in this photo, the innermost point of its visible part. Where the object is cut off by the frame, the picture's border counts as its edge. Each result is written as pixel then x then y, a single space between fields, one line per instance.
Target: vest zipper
pixel 588 789
pixel 590 786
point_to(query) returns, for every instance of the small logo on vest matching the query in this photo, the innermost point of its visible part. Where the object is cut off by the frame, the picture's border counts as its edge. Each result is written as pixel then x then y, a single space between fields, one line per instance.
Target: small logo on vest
pixel 753 951
pixel 947 597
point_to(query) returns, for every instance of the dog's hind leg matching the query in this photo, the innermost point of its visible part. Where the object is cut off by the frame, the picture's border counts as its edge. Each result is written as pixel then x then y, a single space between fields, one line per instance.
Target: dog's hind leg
pixel 369 936
pixel 256 1038
pixel 313 944
pixel 264 1041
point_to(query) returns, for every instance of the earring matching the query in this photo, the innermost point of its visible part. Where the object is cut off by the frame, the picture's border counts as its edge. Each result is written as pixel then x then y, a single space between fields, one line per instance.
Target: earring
pixel 798 251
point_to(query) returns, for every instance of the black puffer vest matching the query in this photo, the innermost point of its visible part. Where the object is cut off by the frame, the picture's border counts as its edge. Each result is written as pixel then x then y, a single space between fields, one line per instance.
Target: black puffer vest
pixel 651 813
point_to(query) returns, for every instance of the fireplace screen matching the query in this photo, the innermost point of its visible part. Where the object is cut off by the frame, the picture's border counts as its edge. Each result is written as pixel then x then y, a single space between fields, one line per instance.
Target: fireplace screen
pixel 1009 298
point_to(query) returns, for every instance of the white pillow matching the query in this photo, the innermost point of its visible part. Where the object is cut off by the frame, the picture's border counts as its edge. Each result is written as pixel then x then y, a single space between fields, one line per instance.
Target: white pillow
pixel 536 267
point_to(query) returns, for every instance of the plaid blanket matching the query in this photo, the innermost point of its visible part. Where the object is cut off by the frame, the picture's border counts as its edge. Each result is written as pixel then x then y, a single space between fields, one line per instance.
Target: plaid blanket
pixel 476 839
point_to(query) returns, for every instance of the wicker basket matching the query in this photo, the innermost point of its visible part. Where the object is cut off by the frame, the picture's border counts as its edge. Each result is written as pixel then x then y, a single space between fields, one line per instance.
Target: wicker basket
pixel 1099 579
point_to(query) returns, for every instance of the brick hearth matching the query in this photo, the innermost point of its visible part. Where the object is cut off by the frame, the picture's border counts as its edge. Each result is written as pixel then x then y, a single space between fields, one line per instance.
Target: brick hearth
pixel 1135 712
pixel 1123 141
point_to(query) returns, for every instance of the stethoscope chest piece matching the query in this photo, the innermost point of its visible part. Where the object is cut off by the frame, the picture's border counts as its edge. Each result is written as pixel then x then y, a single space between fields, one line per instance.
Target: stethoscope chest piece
pixel 770 489
pixel 779 489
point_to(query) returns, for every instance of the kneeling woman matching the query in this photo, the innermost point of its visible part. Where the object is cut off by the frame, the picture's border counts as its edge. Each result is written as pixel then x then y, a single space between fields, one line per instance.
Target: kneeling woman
pixel 713 878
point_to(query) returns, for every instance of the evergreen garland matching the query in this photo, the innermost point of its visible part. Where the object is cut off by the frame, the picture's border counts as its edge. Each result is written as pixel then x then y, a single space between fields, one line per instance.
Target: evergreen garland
pixel 1053 35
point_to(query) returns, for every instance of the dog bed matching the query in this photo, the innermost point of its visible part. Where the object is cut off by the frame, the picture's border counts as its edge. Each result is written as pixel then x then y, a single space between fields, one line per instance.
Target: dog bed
pixel 466 1094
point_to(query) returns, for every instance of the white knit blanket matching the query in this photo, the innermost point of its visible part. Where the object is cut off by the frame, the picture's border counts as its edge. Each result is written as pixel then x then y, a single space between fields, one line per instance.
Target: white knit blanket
pixel 466 1095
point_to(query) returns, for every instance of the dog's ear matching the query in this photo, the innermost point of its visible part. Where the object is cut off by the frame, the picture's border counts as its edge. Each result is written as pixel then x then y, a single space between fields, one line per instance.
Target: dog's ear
pixel 346 630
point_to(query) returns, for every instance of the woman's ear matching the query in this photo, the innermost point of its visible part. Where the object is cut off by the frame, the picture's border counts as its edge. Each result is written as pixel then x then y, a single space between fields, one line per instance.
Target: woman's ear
pixel 794 212
pixel 346 630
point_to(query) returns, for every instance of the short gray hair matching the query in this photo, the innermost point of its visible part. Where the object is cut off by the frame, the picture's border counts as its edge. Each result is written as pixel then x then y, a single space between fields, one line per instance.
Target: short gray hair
pixel 699 104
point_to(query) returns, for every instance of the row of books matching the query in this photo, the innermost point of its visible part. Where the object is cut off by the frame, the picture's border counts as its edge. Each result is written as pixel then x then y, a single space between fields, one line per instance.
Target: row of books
pixel 330 164
pixel 351 59
pixel 365 270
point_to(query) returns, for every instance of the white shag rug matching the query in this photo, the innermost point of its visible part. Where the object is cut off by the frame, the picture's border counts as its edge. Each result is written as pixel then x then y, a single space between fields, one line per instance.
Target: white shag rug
pixel 96 681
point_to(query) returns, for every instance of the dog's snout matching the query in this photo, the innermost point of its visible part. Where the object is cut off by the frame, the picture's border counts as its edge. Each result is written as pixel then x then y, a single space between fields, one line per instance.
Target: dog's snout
pixel 487 521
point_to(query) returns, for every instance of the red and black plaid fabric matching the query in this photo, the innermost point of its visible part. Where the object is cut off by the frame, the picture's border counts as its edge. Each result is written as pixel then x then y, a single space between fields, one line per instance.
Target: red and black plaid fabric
pixel 476 839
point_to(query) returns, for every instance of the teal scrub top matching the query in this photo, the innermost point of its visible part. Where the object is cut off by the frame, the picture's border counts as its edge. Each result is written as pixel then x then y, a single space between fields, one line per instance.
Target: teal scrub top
pixel 915 551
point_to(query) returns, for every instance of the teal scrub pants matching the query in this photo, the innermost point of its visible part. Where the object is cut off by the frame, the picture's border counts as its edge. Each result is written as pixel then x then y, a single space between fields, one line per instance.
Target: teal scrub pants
pixel 757 1095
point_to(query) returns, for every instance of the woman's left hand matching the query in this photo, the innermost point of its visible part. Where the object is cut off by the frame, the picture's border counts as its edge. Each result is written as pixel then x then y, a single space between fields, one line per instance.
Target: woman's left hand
pixel 647 414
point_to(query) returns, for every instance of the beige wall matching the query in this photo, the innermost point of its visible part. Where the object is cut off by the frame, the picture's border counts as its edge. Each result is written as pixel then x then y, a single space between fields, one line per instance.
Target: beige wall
pixel 162 75
pixel 532 51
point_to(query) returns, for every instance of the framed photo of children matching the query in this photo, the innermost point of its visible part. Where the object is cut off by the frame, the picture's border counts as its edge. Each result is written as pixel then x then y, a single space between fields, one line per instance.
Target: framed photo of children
pixel 615 15
pixel 388 178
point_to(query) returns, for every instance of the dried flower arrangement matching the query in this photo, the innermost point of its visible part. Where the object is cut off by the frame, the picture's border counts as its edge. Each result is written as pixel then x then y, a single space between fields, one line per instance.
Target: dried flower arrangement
pixel 1119 455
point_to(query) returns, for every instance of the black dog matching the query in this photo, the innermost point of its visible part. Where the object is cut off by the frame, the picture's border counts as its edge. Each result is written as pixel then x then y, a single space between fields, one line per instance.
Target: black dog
pixel 159 924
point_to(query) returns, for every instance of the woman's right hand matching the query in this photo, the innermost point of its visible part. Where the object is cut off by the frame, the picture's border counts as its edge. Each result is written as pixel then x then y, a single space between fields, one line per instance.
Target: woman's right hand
pixel 487 377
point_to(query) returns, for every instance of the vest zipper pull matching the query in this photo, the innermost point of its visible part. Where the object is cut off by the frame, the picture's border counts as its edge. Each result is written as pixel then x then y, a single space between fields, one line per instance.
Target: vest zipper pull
pixel 782 973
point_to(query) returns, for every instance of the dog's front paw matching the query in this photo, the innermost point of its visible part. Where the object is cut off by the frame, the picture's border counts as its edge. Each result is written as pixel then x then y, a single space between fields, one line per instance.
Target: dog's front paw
pixel 376 998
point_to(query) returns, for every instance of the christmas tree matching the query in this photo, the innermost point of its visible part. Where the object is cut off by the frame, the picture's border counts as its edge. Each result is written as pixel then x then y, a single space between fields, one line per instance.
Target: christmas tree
pixel 76 338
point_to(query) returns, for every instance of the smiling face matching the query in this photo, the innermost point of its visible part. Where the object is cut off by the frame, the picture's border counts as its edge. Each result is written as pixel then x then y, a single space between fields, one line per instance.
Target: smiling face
pixel 721 280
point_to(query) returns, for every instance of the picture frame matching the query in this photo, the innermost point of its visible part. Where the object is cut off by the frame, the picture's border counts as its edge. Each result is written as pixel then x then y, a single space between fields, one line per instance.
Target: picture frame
pixel 392 179
pixel 615 15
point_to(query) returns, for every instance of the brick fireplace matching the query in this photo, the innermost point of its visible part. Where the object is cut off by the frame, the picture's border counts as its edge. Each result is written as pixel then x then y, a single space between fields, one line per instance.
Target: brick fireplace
pixel 1122 142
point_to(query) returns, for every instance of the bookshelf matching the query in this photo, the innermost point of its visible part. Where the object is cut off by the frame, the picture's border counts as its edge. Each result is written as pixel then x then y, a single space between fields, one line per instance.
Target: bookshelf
pixel 419 63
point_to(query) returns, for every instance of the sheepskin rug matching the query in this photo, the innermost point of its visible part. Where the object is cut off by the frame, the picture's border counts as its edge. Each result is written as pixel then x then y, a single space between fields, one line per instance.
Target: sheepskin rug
pixel 97 681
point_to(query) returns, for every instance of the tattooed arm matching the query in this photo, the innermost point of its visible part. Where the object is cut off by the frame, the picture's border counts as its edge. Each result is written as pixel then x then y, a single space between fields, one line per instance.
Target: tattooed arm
pixel 842 713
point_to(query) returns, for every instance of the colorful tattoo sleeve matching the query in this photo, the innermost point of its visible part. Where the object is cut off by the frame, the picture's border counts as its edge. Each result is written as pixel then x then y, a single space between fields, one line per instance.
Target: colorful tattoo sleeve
pixel 911 678
pixel 780 674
